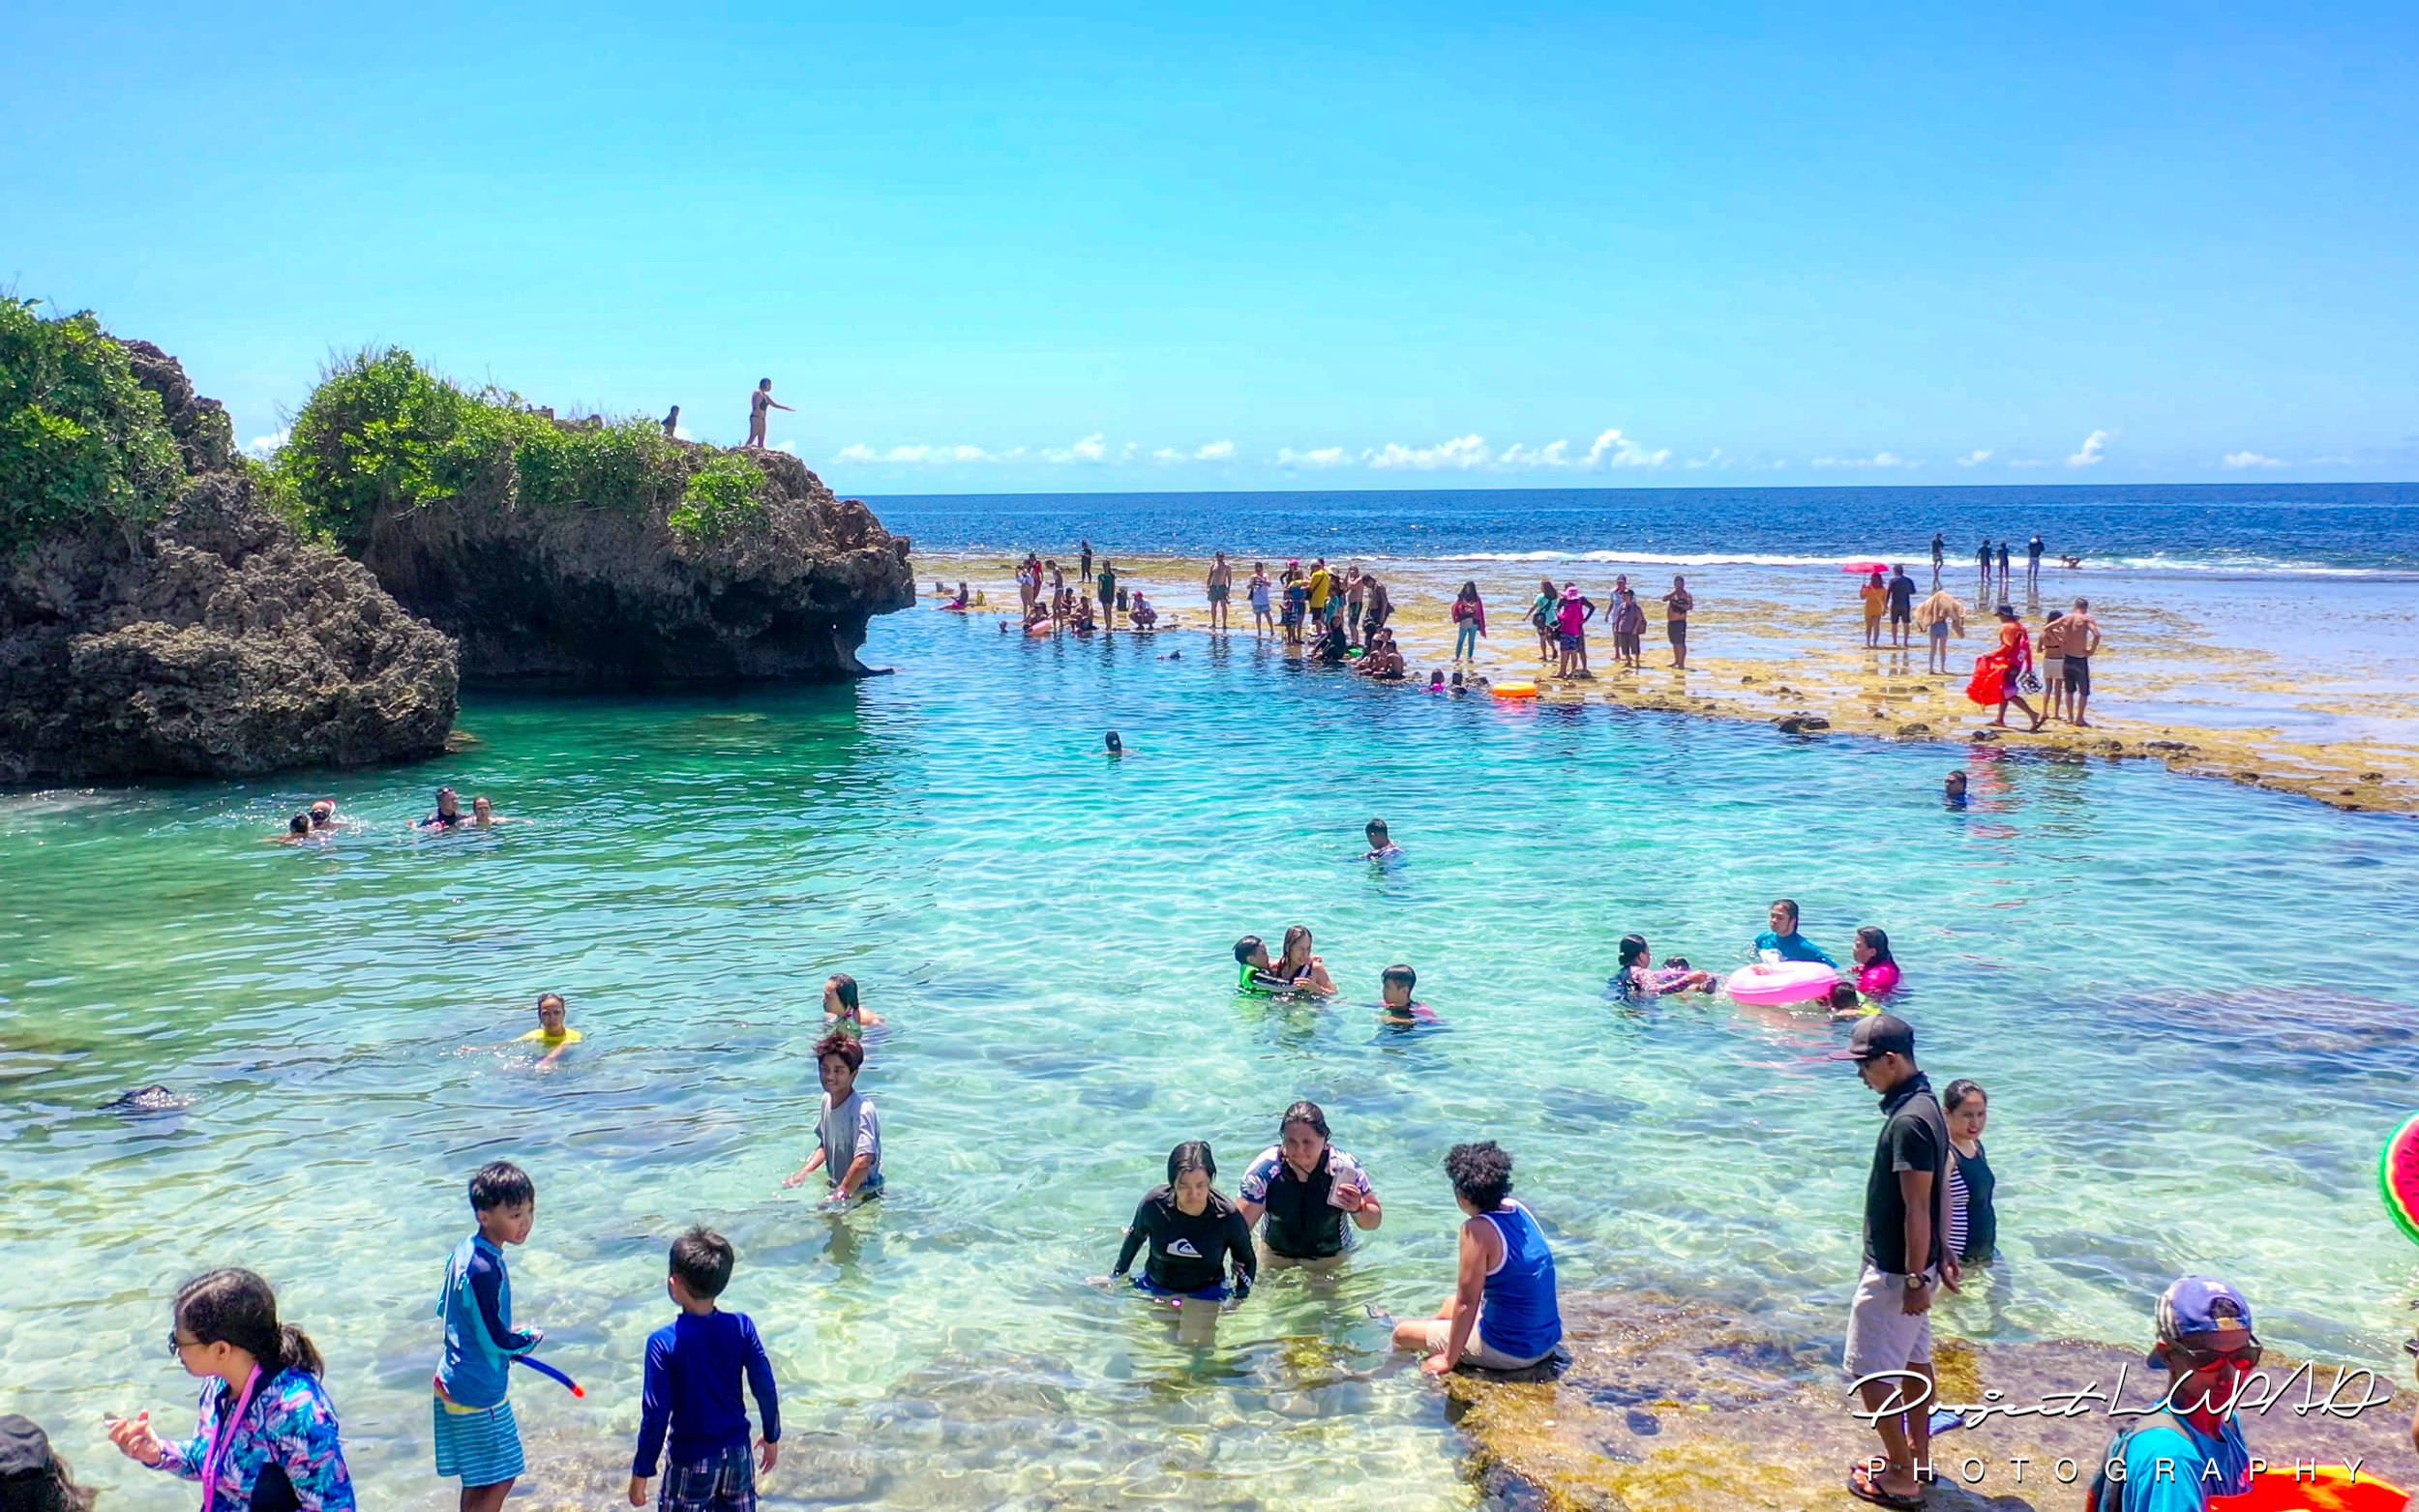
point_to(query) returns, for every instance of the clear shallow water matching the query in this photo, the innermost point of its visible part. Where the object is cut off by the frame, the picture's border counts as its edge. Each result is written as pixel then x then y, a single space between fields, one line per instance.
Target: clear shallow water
pixel 2164 529
pixel 2192 1004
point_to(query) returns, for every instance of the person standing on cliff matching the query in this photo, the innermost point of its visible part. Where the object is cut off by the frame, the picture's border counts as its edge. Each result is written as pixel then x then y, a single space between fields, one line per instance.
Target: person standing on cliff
pixel 672 425
pixel 759 404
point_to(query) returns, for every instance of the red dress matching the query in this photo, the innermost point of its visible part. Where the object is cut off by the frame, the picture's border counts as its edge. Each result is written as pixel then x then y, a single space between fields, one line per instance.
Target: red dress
pixel 1994 672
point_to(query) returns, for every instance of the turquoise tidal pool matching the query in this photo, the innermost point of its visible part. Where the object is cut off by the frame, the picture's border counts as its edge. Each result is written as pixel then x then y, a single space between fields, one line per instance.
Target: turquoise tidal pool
pixel 2192 1006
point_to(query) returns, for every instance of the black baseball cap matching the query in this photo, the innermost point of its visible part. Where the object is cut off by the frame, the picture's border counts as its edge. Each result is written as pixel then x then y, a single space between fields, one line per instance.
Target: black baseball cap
pixel 25 1448
pixel 1876 1036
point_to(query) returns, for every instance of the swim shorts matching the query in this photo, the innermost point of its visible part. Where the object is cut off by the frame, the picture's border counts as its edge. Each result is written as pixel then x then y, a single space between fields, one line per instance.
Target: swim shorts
pixel 1902 617
pixel 2078 675
pixel 1477 1352
pixel 724 1483
pixel 1882 1335
pixel 1940 629
pixel 482 1446
pixel 2053 671
pixel 1217 593
pixel 1677 629
pixel 1151 1288
pixel 1568 642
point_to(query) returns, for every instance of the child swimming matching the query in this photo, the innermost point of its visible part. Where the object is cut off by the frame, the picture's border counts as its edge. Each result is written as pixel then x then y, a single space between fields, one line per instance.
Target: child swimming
pixel 553 1034
pixel 1637 976
pixel 1394 1001
pixel 1382 847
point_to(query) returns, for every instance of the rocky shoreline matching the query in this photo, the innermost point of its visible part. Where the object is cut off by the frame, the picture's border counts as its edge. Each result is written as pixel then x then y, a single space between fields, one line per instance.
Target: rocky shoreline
pixel 1683 1405
pixel 215 641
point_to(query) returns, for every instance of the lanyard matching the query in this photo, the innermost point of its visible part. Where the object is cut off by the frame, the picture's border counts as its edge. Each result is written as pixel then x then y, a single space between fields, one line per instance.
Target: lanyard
pixel 223 1441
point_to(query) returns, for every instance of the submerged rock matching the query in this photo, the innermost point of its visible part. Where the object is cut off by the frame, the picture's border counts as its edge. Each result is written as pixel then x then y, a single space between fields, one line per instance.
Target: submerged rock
pixel 213 641
pixel 614 598
pixel 152 1099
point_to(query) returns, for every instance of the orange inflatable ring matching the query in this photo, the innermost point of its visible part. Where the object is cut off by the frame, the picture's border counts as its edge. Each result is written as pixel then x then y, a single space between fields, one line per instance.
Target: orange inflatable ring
pixel 1516 690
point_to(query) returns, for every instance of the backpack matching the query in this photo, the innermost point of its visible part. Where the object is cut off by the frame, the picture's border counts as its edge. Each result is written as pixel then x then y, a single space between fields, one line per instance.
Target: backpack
pixel 2099 1499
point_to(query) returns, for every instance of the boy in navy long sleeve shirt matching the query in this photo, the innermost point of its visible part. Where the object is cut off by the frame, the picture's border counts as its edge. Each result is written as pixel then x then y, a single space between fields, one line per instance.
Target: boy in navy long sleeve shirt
pixel 694 1365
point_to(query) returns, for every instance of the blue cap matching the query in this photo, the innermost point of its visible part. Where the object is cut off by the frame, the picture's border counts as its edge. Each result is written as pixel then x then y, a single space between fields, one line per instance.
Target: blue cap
pixel 2190 1305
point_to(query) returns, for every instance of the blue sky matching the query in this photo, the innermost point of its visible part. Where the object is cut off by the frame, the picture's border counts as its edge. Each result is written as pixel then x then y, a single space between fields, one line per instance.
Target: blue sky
pixel 1070 247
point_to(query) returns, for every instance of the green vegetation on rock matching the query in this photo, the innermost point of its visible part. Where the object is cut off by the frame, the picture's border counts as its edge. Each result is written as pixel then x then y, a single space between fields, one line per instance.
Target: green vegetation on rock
pixel 82 441
pixel 381 434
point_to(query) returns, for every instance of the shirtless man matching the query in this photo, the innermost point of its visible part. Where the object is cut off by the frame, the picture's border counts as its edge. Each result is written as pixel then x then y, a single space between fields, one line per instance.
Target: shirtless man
pixel 2082 638
pixel 758 403
pixel 1221 589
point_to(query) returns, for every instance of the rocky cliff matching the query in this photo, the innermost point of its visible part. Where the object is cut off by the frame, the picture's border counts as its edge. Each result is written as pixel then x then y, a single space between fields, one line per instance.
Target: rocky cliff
pixel 608 597
pixel 210 640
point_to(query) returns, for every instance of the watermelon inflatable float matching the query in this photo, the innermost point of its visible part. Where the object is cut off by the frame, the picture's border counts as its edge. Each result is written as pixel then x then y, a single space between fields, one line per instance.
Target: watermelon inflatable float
pixel 2398 1176
pixel 2331 1490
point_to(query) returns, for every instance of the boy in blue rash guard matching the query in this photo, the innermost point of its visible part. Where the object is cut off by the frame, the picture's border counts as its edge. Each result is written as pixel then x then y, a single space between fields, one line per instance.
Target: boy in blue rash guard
pixel 476 1436
pixel 1785 940
pixel 694 1367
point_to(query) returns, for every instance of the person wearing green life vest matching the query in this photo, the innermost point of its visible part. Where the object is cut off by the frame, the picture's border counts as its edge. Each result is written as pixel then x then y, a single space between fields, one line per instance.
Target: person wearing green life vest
pixel 1257 974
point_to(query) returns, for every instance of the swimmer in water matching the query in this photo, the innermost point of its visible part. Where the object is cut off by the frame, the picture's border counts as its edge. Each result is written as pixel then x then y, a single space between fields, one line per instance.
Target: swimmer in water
pixel 323 814
pixel 448 813
pixel 841 1012
pixel 1953 790
pixel 554 1034
pixel 1395 1007
pixel 1382 848
pixel 1258 973
pixel 1114 746
pixel 1302 970
pixel 1637 976
pixel 1843 1003
pixel 297 829
pixel 483 814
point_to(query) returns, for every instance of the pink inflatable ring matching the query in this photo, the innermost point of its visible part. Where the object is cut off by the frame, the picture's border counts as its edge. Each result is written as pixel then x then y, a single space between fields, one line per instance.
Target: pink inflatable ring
pixel 1771 986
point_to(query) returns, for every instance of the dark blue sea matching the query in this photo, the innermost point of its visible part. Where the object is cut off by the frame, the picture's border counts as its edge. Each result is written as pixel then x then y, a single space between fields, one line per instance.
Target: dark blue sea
pixel 2245 529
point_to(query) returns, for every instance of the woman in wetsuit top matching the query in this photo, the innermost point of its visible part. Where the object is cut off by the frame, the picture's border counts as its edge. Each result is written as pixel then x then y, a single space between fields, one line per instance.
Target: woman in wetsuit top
pixel 1194 1233
pixel 1305 1186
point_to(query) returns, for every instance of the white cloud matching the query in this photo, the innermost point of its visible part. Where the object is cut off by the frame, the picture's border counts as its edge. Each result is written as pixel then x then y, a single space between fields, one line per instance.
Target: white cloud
pixel 1212 452
pixel 680 433
pixel 264 445
pixel 2252 459
pixel 1322 456
pixel 1883 460
pixel 917 454
pixel 2093 446
pixel 791 447
pixel 1553 453
pixel 1975 459
pixel 1462 453
pixel 1613 449
pixel 1093 448
pixel 1712 459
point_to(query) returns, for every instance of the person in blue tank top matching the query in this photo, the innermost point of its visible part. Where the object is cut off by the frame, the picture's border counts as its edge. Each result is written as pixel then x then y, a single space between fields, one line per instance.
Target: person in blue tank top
pixel 1501 1315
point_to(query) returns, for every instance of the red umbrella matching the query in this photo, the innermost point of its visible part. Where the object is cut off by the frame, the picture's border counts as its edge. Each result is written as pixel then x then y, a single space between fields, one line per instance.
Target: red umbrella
pixel 1864 567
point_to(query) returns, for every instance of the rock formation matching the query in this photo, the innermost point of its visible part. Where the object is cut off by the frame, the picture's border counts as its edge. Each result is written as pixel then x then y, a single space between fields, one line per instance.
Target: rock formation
pixel 215 641
pixel 607 597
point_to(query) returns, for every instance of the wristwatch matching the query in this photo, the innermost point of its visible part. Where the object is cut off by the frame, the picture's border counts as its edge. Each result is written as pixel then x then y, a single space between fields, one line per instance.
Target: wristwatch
pixel 1918 1282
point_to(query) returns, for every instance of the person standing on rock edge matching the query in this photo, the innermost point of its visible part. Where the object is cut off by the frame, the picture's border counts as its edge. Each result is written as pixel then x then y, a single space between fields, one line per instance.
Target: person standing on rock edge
pixel 672 425
pixel 1083 571
pixel 760 404
pixel 1906 1195
pixel 1940 555
pixel 2082 638
pixel 1221 588
pixel 2032 561
pixel 1901 608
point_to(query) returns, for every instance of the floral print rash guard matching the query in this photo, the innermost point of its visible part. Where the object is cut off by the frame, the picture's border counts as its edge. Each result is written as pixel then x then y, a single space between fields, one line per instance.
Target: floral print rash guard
pixel 288 1434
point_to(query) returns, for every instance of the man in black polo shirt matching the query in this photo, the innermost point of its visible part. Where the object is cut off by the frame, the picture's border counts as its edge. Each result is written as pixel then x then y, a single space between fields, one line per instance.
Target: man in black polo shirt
pixel 1906 1203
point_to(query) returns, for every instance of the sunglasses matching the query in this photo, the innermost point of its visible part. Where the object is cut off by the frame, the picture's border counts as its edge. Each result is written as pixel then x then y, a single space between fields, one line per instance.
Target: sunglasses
pixel 177 1346
pixel 2245 1358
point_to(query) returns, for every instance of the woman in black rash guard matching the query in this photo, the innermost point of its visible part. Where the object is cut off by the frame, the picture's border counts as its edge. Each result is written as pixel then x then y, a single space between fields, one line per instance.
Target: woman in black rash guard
pixel 1194 1235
